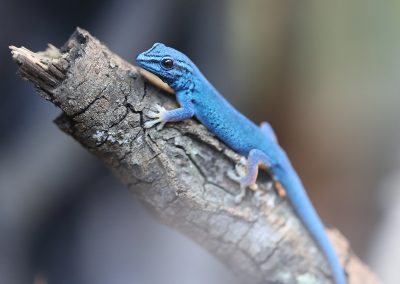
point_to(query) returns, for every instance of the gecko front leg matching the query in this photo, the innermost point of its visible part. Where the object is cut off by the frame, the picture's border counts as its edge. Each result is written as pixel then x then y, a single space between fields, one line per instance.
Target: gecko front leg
pixel 162 116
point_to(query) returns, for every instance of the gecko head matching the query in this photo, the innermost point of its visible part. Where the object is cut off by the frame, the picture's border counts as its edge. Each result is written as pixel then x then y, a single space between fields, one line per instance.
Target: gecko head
pixel 172 66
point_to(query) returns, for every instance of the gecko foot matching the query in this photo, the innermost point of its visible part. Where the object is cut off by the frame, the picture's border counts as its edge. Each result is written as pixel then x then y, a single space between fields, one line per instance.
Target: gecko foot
pixel 240 176
pixel 158 117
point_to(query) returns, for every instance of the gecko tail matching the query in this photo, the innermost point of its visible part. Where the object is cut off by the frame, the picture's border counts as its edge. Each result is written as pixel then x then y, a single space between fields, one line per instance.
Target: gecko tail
pixel 309 217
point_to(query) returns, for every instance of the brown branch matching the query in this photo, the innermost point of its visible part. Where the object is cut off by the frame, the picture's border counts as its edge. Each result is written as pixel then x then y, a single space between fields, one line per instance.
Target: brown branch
pixel 179 172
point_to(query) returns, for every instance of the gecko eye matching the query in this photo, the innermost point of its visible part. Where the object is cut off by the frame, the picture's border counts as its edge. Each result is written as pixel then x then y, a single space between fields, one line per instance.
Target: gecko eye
pixel 167 63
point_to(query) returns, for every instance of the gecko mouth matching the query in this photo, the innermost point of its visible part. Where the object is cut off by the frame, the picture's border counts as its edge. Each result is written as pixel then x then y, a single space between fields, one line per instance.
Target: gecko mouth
pixel 155 80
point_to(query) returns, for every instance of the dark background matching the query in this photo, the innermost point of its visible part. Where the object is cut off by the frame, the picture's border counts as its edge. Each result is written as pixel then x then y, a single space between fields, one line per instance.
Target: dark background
pixel 325 75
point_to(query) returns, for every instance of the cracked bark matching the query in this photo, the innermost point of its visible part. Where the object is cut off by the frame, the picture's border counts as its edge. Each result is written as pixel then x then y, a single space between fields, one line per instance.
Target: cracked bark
pixel 179 173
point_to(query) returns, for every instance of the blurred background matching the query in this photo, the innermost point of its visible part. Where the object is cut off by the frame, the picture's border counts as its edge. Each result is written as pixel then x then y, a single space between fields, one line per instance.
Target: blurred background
pixel 324 73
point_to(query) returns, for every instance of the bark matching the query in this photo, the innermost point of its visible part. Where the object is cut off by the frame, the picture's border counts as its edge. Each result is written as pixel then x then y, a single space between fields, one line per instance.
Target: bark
pixel 179 173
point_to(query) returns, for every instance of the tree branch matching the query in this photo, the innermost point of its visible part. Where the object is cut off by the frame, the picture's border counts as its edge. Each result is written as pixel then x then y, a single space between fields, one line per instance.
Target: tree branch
pixel 179 172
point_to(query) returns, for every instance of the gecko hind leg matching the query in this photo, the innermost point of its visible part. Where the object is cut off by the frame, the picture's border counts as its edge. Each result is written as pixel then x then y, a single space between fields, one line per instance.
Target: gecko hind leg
pixel 255 159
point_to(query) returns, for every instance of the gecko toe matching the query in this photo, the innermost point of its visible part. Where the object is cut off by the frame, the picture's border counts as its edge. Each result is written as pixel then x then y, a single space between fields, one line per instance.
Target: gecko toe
pixel 151 123
pixel 233 176
pixel 160 126
pixel 153 114
pixel 159 108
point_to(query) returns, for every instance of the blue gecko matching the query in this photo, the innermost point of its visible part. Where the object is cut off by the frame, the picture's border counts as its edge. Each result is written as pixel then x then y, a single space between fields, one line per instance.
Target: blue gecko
pixel 197 97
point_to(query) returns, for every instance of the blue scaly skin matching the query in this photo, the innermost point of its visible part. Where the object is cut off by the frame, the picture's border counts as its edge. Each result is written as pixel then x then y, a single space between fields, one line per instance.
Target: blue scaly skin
pixel 199 98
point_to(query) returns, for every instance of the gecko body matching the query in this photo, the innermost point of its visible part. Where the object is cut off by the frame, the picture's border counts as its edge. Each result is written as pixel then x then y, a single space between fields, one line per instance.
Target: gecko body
pixel 197 97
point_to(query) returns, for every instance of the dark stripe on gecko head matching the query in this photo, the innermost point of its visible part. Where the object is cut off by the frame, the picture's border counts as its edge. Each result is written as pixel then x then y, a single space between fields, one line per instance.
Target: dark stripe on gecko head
pixel 153 56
